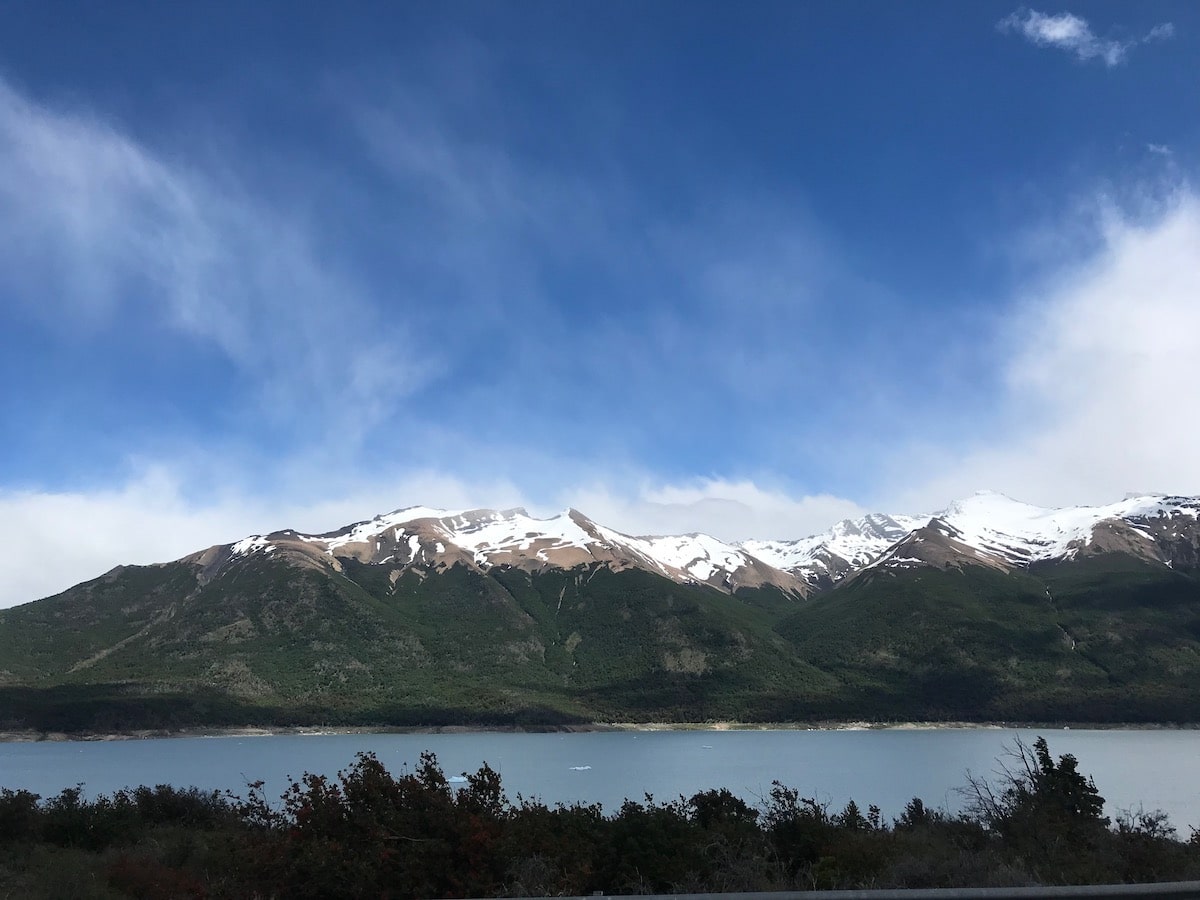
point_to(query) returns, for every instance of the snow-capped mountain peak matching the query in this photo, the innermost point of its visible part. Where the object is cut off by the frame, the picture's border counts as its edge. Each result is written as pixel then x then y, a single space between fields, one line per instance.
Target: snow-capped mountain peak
pixel 1020 533
pixel 484 538
pixel 987 528
pixel 824 559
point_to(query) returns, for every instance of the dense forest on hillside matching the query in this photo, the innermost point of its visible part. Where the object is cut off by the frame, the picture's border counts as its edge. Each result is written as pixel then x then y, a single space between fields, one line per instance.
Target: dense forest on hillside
pixel 1102 639
pixel 372 833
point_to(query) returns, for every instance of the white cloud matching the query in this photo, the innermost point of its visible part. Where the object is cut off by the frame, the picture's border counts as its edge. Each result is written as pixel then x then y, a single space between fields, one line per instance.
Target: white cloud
pixel 1100 380
pixel 95 226
pixel 1099 362
pixel 728 510
pixel 1073 34
pixel 1159 33
pixel 53 540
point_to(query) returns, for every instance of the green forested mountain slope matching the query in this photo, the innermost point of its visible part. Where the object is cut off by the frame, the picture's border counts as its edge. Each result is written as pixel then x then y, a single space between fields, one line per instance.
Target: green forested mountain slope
pixel 1104 638
pixel 287 638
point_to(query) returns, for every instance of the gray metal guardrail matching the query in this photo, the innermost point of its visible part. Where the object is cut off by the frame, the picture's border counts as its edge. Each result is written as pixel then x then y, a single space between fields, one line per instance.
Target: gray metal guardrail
pixel 1172 889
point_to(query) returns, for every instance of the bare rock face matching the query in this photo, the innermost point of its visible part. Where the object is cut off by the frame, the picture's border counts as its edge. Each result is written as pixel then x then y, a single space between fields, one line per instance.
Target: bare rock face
pixel 941 546
pixel 1119 536
pixel 1174 535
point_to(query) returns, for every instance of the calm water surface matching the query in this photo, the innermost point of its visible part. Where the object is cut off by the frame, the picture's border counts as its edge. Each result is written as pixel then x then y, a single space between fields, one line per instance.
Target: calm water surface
pixel 1150 769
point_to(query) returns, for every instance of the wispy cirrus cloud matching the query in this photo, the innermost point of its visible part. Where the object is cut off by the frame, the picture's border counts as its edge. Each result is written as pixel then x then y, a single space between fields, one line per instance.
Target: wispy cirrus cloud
pixel 1072 33
pixel 575 292
pixel 101 229
pixel 1100 356
pixel 519 315
pixel 98 229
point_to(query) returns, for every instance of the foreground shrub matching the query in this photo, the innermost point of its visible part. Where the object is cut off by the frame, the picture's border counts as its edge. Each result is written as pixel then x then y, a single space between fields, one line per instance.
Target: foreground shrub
pixel 20 817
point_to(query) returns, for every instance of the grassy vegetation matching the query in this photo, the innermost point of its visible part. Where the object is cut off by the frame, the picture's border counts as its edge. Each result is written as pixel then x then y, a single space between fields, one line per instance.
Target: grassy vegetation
pixel 372 833
pixel 276 641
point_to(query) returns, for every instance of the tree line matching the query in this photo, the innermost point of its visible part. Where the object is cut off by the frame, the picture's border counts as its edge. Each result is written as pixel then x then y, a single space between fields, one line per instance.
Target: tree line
pixel 371 833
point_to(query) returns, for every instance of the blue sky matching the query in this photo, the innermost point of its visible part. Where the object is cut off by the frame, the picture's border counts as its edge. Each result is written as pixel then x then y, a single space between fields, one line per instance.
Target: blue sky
pixel 744 269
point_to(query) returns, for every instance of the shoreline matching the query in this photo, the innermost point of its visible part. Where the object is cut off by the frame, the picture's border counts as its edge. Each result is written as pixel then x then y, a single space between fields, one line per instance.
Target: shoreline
pixel 33 736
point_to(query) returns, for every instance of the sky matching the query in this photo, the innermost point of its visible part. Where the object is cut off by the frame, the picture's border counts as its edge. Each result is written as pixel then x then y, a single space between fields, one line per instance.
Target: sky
pixel 745 269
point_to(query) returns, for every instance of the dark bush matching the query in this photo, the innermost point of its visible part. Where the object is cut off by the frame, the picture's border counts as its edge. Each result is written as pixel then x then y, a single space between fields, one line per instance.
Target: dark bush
pixel 20 817
pixel 163 804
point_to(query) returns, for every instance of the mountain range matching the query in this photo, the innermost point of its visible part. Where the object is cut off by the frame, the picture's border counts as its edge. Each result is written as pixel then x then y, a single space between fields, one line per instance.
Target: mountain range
pixel 989 609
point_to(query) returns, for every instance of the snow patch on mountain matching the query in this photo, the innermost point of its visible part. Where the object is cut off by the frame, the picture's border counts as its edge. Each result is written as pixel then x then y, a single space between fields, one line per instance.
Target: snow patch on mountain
pixel 848 546
pixel 252 544
pixel 487 533
pixel 700 556
pixel 1021 533
pixel 362 532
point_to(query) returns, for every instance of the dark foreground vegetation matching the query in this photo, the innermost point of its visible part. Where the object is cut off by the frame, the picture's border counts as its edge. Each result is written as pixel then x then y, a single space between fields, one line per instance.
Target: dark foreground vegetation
pixel 369 833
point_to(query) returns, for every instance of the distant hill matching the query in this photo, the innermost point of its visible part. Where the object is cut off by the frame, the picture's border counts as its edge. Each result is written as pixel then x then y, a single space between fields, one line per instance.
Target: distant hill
pixel 989 610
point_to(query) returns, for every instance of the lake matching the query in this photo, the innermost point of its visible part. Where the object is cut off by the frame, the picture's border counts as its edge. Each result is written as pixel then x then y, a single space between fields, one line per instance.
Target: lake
pixel 1154 769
